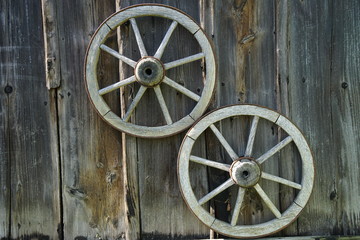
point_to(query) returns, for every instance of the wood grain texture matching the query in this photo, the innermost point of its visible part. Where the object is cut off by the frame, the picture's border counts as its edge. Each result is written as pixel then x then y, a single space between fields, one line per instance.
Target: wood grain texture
pixel 345 114
pixel 130 158
pixel 255 84
pixel 242 32
pixel 300 57
pixel 92 173
pixel 163 213
pixel 31 158
pixel 129 152
pixel 218 206
pixel 287 168
pixel 317 62
pixel 131 187
pixel 5 167
pixel 304 72
pixel 4 162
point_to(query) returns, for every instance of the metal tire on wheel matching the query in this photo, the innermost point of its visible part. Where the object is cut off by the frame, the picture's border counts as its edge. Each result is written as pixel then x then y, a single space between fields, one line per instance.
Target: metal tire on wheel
pixel 245 171
pixel 149 71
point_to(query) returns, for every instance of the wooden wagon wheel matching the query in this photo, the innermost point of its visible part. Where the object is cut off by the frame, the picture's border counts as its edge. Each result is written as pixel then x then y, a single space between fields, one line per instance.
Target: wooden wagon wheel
pixel 149 71
pixel 245 172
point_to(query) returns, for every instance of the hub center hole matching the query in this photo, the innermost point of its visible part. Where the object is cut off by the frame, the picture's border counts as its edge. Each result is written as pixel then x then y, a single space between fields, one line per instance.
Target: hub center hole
pixel 245 174
pixel 148 71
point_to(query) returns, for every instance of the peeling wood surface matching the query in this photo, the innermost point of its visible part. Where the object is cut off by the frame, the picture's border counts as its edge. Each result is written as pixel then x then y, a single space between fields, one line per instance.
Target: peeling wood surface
pixel 65 174
pixel 51 44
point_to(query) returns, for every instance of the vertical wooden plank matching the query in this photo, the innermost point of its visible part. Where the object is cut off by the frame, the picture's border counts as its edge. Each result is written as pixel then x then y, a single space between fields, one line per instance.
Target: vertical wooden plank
pixel 32 131
pixel 92 171
pixel 5 68
pixel 256 59
pixel 288 168
pixel 218 205
pixel 345 114
pixel 304 73
pixel 163 213
pixel 4 155
pixel 131 188
pixel 129 149
pixel 242 32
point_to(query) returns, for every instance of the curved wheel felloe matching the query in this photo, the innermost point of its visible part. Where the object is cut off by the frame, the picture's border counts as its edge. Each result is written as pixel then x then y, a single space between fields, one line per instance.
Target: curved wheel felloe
pixel 245 172
pixel 149 71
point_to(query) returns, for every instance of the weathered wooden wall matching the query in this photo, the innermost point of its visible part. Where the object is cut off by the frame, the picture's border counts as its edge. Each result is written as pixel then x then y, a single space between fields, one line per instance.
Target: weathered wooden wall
pixel 318 73
pixel 30 194
pixel 66 174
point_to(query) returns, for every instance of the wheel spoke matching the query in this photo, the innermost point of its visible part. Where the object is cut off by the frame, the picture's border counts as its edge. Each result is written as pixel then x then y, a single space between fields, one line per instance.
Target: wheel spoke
pixel 280 180
pixel 216 191
pixel 210 163
pixel 250 143
pixel 117 85
pixel 181 89
pixel 134 103
pixel 139 40
pixel 114 53
pixel 267 201
pixel 224 143
pixel 184 61
pixel 239 200
pixel 165 41
pixel 162 103
pixel 274 150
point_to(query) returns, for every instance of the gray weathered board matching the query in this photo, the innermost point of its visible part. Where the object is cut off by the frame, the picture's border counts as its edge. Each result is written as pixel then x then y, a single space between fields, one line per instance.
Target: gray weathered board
pixel 29 195
pixel 62 169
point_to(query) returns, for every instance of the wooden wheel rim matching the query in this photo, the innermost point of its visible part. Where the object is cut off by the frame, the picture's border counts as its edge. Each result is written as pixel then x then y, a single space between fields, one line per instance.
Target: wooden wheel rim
pixel 92 57
pixel 245 231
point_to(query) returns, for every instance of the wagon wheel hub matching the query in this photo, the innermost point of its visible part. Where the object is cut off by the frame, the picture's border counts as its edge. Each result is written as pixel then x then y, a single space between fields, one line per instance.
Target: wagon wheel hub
pixel 245 172
pixel 149 71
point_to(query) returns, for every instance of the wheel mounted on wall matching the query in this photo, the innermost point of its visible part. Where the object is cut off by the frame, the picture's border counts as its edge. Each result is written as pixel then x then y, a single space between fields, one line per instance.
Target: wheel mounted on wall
pixel 245 172
pixel 149 71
